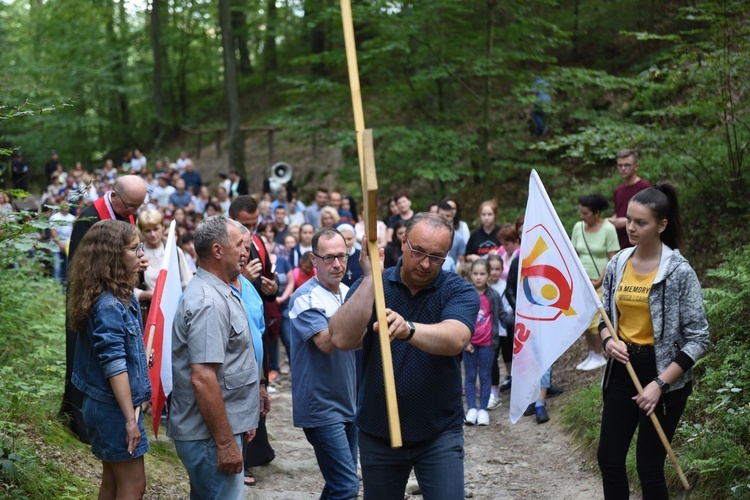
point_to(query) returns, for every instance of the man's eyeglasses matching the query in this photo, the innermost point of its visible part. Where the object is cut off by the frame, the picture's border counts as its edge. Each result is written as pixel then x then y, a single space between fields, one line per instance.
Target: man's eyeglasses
pixel 328 259
pixel 622 166
pixel 435 260
pixel 125 204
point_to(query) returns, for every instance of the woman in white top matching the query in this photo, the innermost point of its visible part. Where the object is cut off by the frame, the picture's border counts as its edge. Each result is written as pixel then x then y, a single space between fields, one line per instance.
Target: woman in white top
pixel 151 226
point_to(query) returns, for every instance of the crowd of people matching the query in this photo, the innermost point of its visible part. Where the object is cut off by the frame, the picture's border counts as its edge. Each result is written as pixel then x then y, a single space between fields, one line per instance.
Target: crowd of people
pixel 268 278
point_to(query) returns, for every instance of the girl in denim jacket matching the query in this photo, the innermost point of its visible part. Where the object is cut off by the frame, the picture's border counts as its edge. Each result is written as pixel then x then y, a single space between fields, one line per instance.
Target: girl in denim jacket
pixel 654 300
pixel 110 365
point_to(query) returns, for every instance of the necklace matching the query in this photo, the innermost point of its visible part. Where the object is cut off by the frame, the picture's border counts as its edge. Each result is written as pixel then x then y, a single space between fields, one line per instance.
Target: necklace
pixel 647 266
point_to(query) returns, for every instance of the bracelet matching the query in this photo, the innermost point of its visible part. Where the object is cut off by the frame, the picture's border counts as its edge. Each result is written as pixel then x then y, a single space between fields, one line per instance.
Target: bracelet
pixel 604 343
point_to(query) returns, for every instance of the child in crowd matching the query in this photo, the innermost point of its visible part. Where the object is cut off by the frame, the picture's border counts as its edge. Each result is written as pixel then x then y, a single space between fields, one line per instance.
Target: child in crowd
pixel 290 241
pixel 304 271
pixel 479 354
pixel 464 270
pixel 505 346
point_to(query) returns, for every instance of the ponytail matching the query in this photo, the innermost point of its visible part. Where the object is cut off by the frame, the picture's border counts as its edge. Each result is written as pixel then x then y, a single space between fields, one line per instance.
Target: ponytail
pixel 662 200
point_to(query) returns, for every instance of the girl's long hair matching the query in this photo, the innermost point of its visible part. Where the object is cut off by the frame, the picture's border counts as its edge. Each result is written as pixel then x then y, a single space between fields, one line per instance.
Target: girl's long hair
pixel 98 266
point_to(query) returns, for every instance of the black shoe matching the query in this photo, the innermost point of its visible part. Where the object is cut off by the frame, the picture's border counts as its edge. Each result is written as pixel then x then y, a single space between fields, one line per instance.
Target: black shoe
pixel 554 391
pixel 530 410
pixel 505 386
pixel 541 414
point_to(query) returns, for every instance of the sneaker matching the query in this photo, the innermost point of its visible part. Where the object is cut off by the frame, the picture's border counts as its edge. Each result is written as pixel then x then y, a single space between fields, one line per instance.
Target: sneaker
pixel 483 418
pixel 505 386
pixel 471 417
pixel 596 362
pixel 271 389
pixel 530 410
pixel 494 403
pixel 541 414
pixel 583 364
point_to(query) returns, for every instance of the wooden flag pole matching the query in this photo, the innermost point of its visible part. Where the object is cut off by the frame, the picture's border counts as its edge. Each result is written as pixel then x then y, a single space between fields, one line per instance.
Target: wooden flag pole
pixel 366 155
pixel 151 333
pixel 654 420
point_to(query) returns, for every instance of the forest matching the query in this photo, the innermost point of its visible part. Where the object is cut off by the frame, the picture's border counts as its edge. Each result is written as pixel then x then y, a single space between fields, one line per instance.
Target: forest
pixel 449 87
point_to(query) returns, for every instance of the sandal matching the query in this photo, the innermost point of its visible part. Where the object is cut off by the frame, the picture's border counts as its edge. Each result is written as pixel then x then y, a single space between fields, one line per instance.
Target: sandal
pixel 249 478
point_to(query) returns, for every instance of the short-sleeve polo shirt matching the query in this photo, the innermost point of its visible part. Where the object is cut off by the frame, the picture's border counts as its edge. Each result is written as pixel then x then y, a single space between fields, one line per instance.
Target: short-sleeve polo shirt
pixel 428 386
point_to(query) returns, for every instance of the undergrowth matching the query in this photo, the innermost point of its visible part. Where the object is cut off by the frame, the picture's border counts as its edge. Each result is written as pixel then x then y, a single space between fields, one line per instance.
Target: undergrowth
pixel 712 443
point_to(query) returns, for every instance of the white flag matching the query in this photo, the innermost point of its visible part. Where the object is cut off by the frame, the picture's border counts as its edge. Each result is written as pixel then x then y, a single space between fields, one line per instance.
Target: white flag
pixel 555 300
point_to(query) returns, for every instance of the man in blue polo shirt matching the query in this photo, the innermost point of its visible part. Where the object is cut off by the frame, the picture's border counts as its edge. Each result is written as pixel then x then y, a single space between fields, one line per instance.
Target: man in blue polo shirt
pixel 431 317
pixel 324 378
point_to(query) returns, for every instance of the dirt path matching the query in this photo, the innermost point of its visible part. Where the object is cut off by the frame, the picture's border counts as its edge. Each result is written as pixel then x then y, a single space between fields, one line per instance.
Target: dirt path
pixel 506 461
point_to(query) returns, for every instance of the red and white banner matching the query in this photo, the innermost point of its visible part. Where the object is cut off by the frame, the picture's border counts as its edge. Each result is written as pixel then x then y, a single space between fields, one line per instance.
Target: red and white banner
pixel 166 297
pixel 555 300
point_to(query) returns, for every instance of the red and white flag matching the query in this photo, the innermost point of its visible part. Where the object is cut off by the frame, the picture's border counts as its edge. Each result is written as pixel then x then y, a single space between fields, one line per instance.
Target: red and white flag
pixel 166 297
pixel 555 300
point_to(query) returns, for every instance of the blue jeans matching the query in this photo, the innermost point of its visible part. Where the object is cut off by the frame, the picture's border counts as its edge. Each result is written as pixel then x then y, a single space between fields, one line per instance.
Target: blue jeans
pixel 335 448
pixel 206 480
pixel 438 465
pixel 480 361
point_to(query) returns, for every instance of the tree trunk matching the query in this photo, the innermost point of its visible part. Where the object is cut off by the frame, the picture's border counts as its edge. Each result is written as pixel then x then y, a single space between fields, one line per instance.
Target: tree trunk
pixel 236 144
pixel 157 89
pixel 314 12
pixel 270 61
pixel 484 129
pixel 239 30
pixel 120 113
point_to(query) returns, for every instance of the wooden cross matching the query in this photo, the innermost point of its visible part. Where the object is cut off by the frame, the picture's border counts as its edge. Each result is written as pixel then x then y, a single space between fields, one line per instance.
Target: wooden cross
pixel 366 154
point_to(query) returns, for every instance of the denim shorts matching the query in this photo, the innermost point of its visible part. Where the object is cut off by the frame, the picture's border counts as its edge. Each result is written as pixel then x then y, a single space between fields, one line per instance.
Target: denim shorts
pixel 105 427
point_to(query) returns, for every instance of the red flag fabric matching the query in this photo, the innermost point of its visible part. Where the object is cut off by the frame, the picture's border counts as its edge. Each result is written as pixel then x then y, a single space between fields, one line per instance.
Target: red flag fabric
pixel 166 297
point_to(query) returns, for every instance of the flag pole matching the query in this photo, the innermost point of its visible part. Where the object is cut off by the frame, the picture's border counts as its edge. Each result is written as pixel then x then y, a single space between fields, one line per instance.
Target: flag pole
pixel 654 420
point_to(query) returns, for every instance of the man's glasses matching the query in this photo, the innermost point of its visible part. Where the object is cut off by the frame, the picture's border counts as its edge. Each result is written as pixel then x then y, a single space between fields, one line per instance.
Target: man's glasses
pixel 623 166
pixel 328 259
pixel 435 260
pixel 125 204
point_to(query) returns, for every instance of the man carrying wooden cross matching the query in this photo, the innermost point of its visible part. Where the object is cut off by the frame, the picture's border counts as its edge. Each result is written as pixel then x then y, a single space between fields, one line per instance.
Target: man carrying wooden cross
pixel 431 316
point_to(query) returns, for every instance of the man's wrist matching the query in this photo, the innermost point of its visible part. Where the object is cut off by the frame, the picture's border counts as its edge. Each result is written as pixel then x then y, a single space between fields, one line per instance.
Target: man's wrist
pixel 412 329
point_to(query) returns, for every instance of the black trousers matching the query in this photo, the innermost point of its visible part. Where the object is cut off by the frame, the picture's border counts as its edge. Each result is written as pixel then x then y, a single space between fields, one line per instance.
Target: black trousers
pixel 620 418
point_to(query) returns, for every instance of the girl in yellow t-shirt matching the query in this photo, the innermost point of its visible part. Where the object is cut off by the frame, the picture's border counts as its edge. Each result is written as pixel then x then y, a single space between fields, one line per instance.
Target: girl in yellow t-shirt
pixel 655 302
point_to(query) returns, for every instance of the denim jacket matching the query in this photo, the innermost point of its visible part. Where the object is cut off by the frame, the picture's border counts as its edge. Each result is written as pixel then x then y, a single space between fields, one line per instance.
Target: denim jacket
pixel 112 344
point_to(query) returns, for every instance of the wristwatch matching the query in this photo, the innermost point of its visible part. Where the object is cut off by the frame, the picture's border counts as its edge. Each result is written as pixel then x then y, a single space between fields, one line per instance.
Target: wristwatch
pixel 412 329
pixel 662 385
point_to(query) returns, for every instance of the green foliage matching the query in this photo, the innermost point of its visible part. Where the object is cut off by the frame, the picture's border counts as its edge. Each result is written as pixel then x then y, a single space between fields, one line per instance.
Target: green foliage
pixel 716 428
pixel 32 368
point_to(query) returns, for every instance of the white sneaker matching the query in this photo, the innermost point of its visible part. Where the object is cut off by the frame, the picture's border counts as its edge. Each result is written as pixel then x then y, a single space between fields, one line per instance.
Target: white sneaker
pixel 583 364
pixel 494 402
pixel 471 417
pixel 271 389
pixel 596 361
pixel 483 418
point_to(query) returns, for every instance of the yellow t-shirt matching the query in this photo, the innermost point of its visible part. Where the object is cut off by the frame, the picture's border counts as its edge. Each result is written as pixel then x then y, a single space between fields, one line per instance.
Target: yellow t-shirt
pixel 631 299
